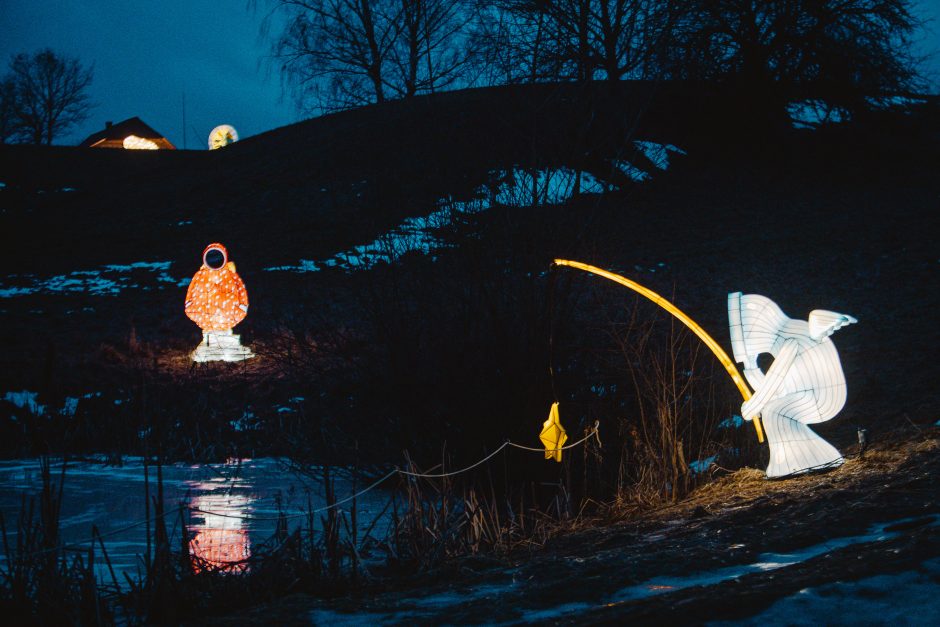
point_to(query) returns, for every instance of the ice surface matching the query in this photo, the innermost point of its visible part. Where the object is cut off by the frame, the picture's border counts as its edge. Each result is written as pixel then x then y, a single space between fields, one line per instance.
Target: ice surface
pixel 237 495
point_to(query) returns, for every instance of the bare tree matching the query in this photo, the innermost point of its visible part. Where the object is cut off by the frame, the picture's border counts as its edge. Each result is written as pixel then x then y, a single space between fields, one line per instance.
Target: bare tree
pixel 508 40
pixel 9 125
pixel 50 94
pixel 430 52
pixel 844 50
pixel 335 51
pixel 626 37
pixel 342 53
pixel 582 39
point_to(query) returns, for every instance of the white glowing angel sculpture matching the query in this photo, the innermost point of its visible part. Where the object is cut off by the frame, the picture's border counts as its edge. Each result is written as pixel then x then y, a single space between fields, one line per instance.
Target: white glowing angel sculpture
pixel 804 384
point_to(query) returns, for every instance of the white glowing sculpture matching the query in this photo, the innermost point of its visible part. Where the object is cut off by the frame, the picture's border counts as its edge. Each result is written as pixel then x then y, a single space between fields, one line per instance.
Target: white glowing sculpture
pixel 804 384
pixel 221 136
pixel 132 142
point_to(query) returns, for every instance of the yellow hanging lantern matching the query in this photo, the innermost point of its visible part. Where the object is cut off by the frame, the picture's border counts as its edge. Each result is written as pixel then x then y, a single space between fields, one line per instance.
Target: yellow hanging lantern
pixel 553 435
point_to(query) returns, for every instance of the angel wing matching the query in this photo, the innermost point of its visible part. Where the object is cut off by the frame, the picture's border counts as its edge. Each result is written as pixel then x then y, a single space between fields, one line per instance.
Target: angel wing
pixel 823 323
pixel 755 322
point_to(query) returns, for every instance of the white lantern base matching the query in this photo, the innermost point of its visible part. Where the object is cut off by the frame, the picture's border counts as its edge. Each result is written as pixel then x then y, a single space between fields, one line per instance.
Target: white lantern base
pixel 221 346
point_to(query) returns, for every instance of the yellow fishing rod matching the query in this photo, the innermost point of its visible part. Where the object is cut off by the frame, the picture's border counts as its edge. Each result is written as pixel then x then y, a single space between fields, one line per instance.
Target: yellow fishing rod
pixel 686 320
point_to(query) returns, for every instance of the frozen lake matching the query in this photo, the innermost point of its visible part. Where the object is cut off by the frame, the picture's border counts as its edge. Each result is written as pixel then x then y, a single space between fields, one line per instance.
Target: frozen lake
pixel 235 505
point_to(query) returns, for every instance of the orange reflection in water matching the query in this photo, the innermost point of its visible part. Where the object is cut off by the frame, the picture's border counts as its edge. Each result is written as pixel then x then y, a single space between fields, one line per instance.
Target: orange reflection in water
pixel 220 549
pixel 220 542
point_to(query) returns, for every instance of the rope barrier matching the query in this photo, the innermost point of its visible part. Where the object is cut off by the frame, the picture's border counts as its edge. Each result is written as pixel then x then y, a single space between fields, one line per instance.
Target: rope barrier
pixel 595 432
pixel 455 472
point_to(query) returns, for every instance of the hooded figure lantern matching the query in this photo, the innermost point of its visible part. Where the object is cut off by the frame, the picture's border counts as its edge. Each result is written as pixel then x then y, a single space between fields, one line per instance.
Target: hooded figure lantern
pixel 217 301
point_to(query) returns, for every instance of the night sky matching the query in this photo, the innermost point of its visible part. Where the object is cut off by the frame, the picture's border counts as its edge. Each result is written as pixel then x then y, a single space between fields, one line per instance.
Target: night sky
pixel 146 55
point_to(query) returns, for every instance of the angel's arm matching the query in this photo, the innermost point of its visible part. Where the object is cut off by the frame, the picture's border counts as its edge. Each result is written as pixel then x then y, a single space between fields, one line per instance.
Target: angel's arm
pixel 772 380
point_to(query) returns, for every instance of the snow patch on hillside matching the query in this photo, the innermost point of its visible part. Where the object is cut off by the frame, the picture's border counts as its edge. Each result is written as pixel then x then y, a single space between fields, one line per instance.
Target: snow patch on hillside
pixel 516 187
pixel 108 280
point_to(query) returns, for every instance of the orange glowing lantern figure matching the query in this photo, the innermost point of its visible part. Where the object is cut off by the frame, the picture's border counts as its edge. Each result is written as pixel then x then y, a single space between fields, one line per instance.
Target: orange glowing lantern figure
pixel 216 301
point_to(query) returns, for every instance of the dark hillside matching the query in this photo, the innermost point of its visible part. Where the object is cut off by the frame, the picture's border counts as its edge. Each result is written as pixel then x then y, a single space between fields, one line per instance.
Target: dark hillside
pixel 454 344
pixel 341 178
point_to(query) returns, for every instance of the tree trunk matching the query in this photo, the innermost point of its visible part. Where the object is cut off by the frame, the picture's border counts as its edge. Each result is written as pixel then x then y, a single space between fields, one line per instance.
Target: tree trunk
pixel 375 69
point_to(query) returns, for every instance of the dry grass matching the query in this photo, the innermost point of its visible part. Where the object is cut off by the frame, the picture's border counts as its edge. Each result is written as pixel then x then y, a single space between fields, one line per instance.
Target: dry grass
pixel 747 485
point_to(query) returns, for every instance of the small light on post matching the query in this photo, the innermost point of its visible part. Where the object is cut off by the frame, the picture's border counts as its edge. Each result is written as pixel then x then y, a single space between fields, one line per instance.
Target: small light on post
pixel 862 441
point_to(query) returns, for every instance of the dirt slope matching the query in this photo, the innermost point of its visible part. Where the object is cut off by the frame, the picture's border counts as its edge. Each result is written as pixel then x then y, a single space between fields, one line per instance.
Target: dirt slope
pixel 728 552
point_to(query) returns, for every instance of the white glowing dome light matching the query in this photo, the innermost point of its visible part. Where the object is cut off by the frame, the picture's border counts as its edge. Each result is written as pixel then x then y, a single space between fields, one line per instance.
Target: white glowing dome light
pixel 221 136
pixel 132 142
pixel 804 385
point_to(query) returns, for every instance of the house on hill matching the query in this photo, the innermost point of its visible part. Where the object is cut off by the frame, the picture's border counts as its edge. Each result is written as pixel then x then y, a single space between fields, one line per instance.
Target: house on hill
pixel 133 133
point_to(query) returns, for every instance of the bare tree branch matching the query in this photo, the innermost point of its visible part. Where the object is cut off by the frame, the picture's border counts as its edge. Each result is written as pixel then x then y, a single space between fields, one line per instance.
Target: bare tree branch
pixel 49 95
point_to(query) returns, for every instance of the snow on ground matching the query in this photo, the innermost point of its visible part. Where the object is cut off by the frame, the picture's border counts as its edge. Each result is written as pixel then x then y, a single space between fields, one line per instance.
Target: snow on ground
pixel 418 609
pixel 765 562
pixel 733 422
pixel 632 171
pixel 25 399
pixel 110 279
pixel 701 465
pixel 412 235
pixel 28 400
pixel 412 609
pixel 657 153
pixel 907 598
pixel 517 187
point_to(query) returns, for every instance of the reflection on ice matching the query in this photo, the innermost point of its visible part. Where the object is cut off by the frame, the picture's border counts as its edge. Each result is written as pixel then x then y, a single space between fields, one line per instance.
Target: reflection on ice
pixel 234 507
pixel 220 540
